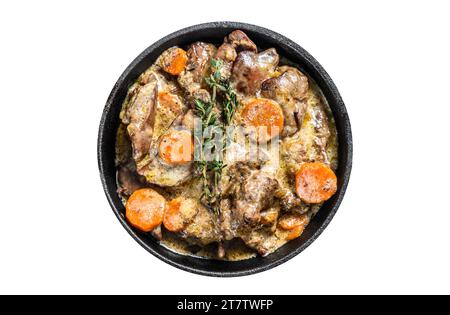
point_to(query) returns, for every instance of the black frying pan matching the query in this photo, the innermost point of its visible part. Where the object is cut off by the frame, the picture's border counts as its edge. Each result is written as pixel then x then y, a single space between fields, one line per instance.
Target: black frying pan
pixel 214 33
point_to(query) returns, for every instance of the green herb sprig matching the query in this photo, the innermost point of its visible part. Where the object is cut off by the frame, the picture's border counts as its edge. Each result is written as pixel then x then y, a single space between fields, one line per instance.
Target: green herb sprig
pixel 211 171
pixel 217 83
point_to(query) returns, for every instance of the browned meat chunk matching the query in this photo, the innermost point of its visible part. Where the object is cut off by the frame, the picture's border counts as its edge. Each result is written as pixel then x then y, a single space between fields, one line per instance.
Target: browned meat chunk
pixel 251 69
pixel 252 198
pixel 248 192
pixel 269 217
pixel 235 42
pixel 263 240
pixel 203 229
pixel 256 193
pixel 240 41
pixel 290 202
pixel 199 60
pixel 289 90
pixel 129 181
pixel 227 54
pixel 139 115
pixel 291 84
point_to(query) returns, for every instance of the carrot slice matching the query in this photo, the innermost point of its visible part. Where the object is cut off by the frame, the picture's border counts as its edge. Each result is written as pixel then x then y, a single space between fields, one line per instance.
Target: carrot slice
pixel 179 213
pixel 169 101
pixel 315 182
pixel 293 221
pixel 297 232
pixel 177 147
pixel 265 115
pixel 174 60
pixel 145 209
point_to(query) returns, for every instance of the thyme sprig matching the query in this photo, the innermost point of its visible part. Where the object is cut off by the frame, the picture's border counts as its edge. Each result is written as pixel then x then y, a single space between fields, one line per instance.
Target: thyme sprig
pixel 217 83
pixel 211 171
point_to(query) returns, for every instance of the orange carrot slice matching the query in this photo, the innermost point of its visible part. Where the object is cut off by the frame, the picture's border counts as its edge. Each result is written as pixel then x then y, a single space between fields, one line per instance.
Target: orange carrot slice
pixel 295 233
pixel 177 147
pixel 315 182
pixel 145 209
pixel 265 115
pixel 294 223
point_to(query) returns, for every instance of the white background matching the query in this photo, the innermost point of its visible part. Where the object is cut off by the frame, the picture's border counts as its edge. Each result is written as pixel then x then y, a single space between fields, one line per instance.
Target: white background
pixel 59 61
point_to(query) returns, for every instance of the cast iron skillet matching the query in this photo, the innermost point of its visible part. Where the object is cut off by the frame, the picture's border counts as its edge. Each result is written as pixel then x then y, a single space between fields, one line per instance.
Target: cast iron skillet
pixel 214 33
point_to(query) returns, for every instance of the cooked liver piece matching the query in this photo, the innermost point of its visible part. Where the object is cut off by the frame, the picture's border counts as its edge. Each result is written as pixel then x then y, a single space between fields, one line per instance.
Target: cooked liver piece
pixel 251 69
pixel 290 90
